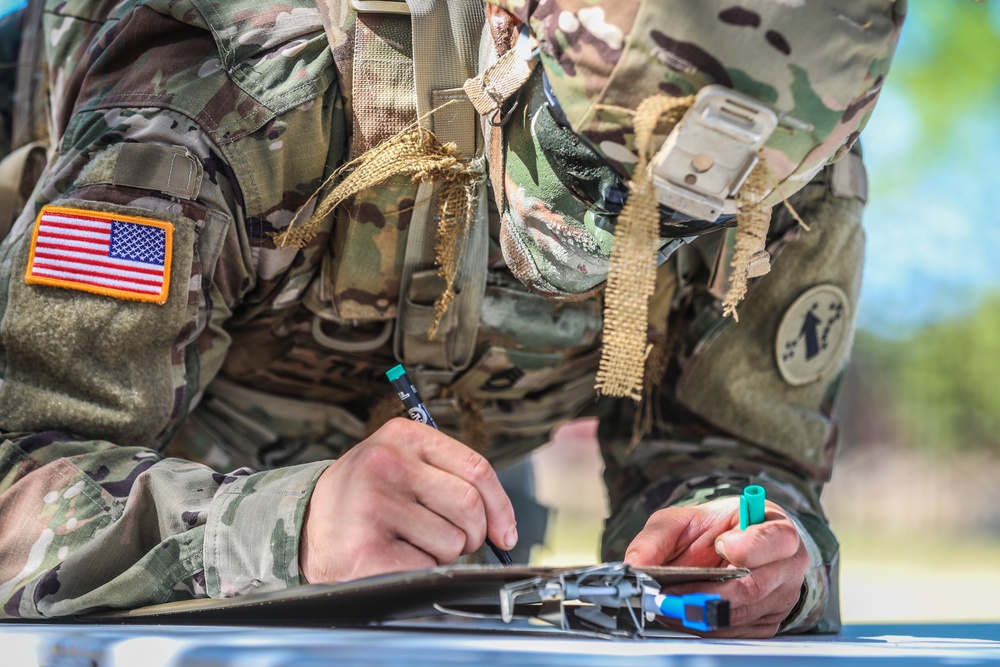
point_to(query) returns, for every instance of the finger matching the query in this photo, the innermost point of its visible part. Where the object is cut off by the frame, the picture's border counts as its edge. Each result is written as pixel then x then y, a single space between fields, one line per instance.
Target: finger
pixel 766 591
pixel 742 592
pixel 768 612
pixel 431 533
pixel 760 544
pixel 456 502
pixel 453 457
pixel 683 536
pixel 758 631
pixel 657 542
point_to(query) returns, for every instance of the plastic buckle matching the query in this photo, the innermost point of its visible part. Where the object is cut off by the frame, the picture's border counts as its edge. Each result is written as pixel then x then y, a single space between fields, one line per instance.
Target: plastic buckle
pixel 381 6
pixel 710 152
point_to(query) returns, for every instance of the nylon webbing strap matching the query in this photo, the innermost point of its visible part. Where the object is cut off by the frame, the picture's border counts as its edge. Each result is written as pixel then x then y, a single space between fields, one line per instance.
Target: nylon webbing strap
pixel 493 87
pixel 383 103
pixel 445 54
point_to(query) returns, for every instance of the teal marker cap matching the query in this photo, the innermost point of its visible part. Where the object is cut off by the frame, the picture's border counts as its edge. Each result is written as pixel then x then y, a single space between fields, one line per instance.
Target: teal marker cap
pixel 752 506
pixel 395 372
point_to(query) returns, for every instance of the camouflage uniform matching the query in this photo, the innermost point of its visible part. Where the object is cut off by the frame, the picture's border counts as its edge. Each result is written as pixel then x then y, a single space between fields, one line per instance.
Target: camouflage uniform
pixel 132 431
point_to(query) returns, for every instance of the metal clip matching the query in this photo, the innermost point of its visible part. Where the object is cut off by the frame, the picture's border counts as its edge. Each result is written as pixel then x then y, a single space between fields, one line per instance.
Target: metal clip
pixel 611 595
pixel 610 600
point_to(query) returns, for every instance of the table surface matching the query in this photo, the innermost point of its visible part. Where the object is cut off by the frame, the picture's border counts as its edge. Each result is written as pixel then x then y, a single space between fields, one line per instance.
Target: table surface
pixel 486 643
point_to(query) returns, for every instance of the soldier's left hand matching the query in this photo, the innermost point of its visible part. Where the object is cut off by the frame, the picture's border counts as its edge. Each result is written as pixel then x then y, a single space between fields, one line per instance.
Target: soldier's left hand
pixel 709 535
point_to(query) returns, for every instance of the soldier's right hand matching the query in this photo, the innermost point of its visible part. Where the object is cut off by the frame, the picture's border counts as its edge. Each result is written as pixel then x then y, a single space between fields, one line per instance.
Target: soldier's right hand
pixel 408 497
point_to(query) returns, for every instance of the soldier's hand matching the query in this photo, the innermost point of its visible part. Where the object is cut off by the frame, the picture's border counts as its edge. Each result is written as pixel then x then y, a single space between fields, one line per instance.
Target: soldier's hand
pixel 409 497
pixel 709 535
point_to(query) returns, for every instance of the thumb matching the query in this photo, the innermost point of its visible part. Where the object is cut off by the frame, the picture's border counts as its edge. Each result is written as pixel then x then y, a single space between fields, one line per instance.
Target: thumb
pixel 759 544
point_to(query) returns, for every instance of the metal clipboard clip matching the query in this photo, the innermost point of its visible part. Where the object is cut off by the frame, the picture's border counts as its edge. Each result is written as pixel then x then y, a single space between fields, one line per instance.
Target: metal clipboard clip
pixel 610 600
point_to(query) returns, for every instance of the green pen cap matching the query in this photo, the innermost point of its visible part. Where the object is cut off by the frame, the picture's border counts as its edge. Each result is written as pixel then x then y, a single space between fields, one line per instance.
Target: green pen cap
pixel 395 372
pixel 752 506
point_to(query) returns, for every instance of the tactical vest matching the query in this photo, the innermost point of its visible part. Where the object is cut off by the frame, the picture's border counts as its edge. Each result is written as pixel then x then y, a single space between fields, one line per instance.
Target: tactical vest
pixel 505 366
pixel 397 62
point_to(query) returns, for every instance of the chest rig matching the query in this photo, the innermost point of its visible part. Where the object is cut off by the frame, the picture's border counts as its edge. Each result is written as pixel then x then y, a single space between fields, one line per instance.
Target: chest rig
pixel 399 61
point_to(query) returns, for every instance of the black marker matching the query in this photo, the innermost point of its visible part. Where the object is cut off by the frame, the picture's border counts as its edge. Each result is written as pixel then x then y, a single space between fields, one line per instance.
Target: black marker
pixel 418 412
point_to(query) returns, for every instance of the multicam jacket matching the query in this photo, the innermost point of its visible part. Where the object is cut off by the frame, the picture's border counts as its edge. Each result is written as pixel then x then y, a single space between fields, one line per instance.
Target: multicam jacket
pixel 161 443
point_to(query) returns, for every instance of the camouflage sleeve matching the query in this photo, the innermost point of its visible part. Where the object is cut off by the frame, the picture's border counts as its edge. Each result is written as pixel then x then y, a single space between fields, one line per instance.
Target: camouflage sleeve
pixel 750 402
pixel 89 525
pixel 149 231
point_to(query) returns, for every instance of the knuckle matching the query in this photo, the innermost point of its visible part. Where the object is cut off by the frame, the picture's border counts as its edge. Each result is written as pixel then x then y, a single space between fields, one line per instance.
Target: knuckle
pixel 777 531
pixel 474 537
pixel 379 458
pixel 396 426
pixel 469 505
pixel 754 588
pixel 448 546
pixel 666 520
pixel 738 616
pixel 477 468
pixel 455 545
pixel 782 537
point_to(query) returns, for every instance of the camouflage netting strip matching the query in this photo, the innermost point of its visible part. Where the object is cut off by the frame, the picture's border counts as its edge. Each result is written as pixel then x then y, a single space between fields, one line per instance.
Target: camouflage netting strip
pixel 750 258
pixel 632 273
pixel 456 208
pixel 424 157
pixel 490 90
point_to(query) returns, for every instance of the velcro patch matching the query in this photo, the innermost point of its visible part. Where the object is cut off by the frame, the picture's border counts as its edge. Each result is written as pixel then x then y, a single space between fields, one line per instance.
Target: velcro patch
pixel 814 335
pixel 120 256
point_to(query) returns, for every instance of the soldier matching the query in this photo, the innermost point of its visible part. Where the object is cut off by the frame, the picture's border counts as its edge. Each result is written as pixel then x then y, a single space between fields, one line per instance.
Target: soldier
pixel 199 301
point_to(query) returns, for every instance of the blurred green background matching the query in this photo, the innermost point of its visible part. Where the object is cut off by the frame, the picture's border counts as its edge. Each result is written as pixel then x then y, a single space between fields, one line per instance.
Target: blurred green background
pixel 915 496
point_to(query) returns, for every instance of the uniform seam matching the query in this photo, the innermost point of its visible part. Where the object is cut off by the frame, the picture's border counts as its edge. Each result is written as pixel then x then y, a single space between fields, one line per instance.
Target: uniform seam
pixel 242 67
pixel 250 71
pixel 181 571
pixel 256 228
pixel 118 99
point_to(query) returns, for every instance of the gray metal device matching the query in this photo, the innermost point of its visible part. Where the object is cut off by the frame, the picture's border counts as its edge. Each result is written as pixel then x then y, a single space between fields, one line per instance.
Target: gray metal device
pixel 708 155
pixel 611 597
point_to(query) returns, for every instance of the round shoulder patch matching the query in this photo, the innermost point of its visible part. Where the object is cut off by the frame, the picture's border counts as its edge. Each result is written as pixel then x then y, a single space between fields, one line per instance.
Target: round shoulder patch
pixel 813 334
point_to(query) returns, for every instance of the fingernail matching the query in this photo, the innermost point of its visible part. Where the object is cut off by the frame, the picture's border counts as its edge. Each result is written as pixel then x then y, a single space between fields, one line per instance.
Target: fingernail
pixel 720 548
pixel 631 557
pixel 510 539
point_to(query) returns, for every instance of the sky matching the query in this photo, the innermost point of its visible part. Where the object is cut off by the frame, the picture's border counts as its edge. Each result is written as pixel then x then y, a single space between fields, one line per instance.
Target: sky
pixel 7 6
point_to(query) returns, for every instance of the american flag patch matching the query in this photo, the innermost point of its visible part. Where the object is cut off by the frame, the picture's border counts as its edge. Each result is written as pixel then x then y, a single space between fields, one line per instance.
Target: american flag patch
pixel 121 256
